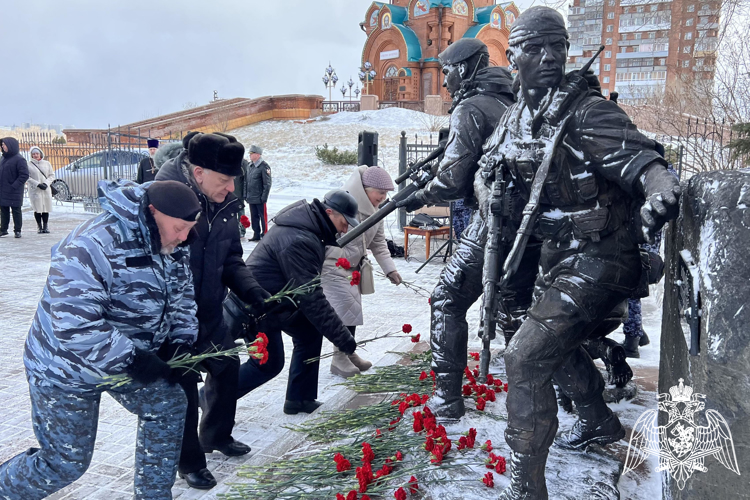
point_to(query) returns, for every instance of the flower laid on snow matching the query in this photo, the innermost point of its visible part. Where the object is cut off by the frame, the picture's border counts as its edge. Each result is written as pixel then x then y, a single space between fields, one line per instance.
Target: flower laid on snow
pixel 245 221
pixel 474 356
pixel 352 495
pixel 399 456
pixel 469 376
pixel 487 446
pixel 481 402
pixel 343 264
pixel 500 466
pixel 367 454
pixel 423 375
pixel 496 462
pixel 400 494
pixel 342 464
pixel 489 480
pixel 413 486
pixel 406 328
pixel 415 338
pixel 364 476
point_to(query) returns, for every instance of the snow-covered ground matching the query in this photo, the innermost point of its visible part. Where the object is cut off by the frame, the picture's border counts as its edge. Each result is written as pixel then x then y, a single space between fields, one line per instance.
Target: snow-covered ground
pixel 289 149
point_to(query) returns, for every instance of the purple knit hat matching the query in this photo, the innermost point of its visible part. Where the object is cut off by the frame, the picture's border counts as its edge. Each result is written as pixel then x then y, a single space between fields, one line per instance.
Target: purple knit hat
pixel 376 177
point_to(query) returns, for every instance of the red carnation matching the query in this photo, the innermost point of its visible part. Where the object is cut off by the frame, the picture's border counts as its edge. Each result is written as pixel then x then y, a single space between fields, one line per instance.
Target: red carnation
pixel 469 376
pixel 462 443
pixel 471 437
pixel 402 407
pixel 365 497
pixel 489 480
pixel 343 263
pixel 399 455
pixel 487 446
pixel 480 404
pixel 490 379
pixel 367 455
pixel 339 496
pixel 474 356
pixel 432 374
pixel 356 276
pixel 505 387
pixel 418 422
pixel 498 383
pixel 342 464
pixel 423 376
pixel 415 338
pixel 352 495
pixel 466 390
pixel 438 455
pixel 413 486
pixel 378 433
pixel 400 494
pixel 429 444
pixel 406 328
pixel 245 221
pixel 500 465
pixel 425 397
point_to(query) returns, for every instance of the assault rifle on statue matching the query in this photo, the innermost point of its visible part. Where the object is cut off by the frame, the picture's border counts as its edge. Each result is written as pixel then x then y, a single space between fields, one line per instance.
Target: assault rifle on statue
pixel 500 208
pixel 420 174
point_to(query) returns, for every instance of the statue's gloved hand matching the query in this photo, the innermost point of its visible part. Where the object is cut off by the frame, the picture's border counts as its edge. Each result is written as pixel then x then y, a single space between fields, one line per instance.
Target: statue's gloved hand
pixel 662 192
pixel 412 203
pixel 395 277
pixel 619 374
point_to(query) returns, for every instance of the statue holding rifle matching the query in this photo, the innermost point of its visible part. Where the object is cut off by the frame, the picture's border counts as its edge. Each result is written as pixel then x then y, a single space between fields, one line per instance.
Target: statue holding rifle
pixel 596 186
pixel 481 94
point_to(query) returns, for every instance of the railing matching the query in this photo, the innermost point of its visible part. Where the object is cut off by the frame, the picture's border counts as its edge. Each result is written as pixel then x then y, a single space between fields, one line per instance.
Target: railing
pixel 413 105
pixel 338 106
pixel 79 166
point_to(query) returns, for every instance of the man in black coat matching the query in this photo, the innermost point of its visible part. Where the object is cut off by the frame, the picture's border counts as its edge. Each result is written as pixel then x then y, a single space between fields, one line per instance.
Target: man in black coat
pixel 147 168
pixel 258 189
pixel 293 252
pixel 13 175
pixel 208 166
pixel 240 191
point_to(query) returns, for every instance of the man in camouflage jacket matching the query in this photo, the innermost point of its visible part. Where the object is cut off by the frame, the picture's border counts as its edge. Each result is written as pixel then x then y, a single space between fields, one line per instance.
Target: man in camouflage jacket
pixel 119 288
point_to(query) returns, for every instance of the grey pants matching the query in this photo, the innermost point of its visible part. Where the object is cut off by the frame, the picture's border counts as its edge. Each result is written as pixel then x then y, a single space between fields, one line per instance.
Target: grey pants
pixel 65 425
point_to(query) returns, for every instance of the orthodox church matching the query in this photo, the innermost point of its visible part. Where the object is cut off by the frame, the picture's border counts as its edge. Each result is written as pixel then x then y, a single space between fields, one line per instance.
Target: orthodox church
pixel 404 38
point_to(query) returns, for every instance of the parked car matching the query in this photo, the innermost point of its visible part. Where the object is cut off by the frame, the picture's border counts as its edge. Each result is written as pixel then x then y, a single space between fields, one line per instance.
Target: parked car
pixel 79 179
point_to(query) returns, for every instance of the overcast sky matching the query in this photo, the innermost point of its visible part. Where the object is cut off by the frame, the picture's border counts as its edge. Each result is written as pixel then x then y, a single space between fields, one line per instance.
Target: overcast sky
pixel 90 63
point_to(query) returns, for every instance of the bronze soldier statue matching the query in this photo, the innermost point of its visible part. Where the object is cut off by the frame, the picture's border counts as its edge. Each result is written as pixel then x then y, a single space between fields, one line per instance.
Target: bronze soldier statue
pixel 586 170
pixel 481 95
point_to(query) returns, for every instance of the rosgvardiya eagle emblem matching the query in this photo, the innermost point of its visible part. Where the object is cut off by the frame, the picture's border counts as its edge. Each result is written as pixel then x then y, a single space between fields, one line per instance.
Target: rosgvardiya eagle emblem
pixel 681 444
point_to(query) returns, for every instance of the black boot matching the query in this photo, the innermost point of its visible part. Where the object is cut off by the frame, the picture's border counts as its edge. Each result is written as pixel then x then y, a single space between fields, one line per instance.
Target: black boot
pixel 44 227
pixel 448 403
pixel 596 424
pixel 631 346
pixel 644 340
pixel 527 480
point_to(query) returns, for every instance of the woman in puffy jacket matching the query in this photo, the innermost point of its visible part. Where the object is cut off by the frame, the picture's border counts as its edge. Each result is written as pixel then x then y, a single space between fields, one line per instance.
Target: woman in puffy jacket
pixel 369 186
pixel 41 176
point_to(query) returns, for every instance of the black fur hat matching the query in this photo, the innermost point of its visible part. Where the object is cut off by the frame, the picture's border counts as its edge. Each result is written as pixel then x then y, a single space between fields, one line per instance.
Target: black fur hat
pixel 188 137
pixel 216 152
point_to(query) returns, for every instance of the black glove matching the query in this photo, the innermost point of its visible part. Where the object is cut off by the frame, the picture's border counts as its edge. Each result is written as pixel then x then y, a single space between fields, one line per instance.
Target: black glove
pixel 147 368
pixel 169 350
pixel 42 185
pixel 662 192
pixel 348 346
pixel 256 296
pixel 412 203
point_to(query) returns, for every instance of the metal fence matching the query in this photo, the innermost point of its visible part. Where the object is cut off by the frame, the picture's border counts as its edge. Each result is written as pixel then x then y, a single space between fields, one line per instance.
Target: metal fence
pixel 703 146
pixel 413 105
pixel 79 166
pixel 408 155
pixel 337 106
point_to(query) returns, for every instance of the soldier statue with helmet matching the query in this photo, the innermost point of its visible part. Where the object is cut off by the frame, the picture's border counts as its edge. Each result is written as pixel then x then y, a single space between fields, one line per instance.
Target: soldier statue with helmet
pixel 596 187
pixel 481 94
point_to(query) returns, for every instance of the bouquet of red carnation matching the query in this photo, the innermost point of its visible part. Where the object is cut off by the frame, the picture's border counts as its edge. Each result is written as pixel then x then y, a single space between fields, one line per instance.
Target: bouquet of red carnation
pixel 258 349
pixel 245 221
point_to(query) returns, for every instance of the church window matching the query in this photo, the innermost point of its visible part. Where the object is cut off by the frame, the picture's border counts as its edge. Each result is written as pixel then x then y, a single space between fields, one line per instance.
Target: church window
pixel 391 72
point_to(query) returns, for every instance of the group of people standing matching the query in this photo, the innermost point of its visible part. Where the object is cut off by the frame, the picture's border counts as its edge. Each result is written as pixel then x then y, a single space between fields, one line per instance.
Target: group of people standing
pixel 146 280
pixel 17 174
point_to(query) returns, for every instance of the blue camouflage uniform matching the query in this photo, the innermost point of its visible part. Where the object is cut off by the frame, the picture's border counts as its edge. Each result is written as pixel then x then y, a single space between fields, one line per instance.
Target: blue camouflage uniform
pixel 109 291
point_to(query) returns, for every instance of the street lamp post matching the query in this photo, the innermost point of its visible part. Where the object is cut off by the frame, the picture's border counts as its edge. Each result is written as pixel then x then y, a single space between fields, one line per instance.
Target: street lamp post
pixel 330 79
pixel 351 84
pixel 367 75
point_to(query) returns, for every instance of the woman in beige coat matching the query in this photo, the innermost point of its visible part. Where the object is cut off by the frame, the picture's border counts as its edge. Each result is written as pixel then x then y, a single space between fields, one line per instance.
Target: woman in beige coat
pixel 41 176
pixel 369 186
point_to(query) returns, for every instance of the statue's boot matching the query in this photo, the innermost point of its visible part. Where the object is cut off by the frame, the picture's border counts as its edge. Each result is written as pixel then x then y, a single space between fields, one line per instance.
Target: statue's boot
pixel 448 403
pixel 596 424
pixel 526 478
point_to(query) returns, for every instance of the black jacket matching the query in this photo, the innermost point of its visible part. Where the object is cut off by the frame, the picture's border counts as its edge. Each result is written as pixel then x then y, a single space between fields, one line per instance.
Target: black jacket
pixel 146 171
pixel 293 251
pixel 258 183
pixel 240 183
pixel 472 122
pixel 14 172
pixel 215 260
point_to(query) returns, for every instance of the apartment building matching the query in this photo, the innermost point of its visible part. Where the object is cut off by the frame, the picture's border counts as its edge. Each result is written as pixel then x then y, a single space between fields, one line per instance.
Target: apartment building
pixel 648 43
